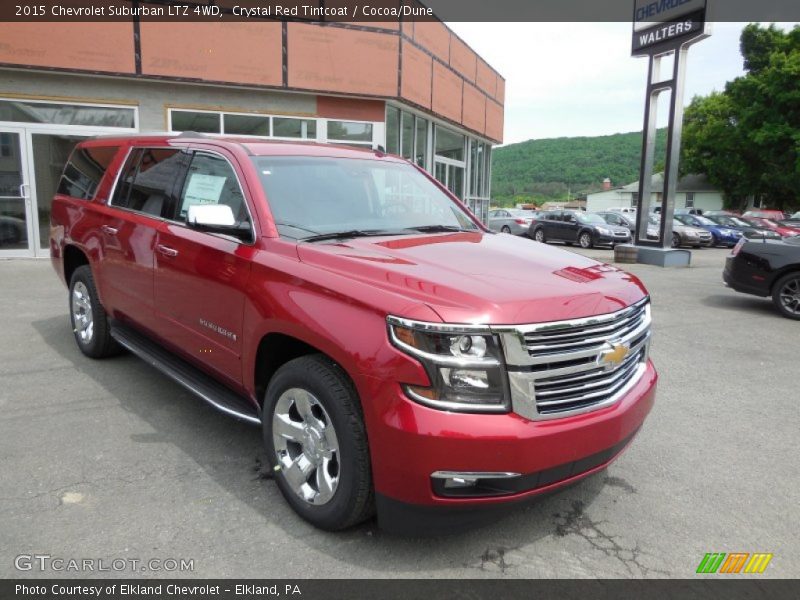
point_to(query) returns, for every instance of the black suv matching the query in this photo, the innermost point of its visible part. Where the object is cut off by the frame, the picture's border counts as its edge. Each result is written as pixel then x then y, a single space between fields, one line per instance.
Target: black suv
pixel 575 226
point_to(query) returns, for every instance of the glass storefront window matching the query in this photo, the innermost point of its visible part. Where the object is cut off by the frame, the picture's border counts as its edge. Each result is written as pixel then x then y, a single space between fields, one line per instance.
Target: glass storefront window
pixel 348 131
pixel 421 152
pixel 408 135
pixel 392 130
pixel 246 125
pixel 66 114
pixel 201 122
pixel 449 144
pixel 294 128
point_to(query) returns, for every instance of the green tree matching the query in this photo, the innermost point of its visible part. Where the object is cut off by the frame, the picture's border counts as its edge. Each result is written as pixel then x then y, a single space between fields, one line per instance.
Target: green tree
pixel 747 139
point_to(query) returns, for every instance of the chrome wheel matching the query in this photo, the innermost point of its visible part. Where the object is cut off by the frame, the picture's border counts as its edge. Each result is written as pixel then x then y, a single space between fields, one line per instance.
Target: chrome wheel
pixel 789 296
pixel 586 241
pixel 306 446
pixel 539 235
pixel 82 315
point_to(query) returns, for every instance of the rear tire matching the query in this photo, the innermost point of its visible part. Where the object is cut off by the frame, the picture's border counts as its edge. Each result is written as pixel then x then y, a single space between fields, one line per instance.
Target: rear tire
pixel 786 296
pixel 505 229
pixel 89 319
pixel 676 240
pixel 317 444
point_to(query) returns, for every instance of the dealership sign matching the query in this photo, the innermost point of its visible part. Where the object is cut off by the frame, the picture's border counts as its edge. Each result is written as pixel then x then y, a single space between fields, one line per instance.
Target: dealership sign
pixel 661 25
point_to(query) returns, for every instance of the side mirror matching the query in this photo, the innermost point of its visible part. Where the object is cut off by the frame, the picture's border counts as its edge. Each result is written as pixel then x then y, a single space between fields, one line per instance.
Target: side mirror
pixel 216 218
pixel 210 215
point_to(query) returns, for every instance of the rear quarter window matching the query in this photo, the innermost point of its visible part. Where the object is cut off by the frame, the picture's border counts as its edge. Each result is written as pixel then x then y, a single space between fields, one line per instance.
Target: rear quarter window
pixel 84 171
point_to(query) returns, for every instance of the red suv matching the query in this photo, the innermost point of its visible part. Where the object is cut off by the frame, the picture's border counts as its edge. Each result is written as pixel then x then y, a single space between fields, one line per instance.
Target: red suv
pixel 398 356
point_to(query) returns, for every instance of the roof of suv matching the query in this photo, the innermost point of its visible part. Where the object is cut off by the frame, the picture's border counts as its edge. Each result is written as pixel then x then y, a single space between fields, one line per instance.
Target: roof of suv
pixel 253 146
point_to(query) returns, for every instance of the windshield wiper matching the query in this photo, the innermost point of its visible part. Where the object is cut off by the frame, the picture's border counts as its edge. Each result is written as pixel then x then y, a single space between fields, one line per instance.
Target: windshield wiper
pixel 438 228
pixel 353 233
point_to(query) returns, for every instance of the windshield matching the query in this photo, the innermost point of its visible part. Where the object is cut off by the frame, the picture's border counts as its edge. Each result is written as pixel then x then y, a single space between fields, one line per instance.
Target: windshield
pixel 738 222
pixel 654 220
pixel 311 196
pixel 703 220
pixel 596 219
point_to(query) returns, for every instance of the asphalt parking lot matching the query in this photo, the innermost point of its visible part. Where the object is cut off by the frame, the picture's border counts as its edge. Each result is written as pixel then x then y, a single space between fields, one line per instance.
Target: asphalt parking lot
pixel 112 460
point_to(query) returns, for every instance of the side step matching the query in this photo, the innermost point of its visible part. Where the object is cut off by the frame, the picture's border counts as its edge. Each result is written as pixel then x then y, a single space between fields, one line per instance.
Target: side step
pixel 187 375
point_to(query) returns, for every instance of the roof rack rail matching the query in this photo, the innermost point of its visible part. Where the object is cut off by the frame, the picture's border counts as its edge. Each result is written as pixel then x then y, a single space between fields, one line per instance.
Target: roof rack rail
pixel 191 134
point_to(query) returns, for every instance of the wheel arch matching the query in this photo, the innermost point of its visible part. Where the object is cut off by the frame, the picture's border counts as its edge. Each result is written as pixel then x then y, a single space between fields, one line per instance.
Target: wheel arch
pixel 781 273
pixel 74 257
pixel 275 349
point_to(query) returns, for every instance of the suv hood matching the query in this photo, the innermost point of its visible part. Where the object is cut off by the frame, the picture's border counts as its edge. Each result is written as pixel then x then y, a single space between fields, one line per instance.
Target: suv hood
pixel 480 278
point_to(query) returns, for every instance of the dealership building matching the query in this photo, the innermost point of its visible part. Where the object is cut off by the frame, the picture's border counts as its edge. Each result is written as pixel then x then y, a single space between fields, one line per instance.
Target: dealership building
pixel 413 88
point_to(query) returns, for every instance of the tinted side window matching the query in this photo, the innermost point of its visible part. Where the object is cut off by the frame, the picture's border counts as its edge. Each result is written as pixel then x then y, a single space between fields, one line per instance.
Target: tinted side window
pixel 148 179
pixel 212 180
pixel 84 170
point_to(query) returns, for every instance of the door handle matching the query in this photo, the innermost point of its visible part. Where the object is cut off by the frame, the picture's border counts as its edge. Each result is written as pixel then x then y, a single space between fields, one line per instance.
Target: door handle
pixel 167 251
pixel 24 190
pixel 109 229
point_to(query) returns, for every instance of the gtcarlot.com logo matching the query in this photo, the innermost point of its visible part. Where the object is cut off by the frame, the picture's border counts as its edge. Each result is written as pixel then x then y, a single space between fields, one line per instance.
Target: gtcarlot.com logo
pixel 734 562
pixel 46 562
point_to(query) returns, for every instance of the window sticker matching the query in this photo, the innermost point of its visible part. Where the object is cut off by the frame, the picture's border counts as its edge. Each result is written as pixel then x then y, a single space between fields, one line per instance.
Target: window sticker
pixel 203 189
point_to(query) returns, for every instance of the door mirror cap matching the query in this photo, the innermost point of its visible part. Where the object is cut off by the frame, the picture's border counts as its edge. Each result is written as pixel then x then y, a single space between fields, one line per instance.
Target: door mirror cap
pixel 210 216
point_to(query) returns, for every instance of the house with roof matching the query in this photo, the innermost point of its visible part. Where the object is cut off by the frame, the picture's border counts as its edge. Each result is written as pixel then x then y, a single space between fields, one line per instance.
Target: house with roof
pixel 693 191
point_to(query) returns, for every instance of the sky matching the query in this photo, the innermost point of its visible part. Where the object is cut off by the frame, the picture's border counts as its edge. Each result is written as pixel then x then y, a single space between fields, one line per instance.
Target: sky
pixel 579 79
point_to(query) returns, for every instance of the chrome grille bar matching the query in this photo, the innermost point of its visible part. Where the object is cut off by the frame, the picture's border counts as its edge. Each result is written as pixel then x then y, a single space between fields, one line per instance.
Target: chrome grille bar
pixel 570 367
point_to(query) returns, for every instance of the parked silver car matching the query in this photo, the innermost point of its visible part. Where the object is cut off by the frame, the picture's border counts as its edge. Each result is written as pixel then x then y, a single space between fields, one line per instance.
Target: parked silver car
pixel 511 220
pixel 682 235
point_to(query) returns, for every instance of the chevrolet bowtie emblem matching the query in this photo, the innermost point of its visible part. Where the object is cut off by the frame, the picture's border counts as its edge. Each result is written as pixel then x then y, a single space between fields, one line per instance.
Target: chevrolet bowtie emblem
pixel 613 357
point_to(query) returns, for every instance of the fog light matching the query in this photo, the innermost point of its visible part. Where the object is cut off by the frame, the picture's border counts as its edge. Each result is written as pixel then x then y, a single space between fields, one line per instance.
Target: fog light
pixel 460 484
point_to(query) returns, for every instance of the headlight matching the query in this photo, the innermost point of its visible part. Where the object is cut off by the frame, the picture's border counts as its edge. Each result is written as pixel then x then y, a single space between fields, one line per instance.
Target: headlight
pixel 464 365
pixel 727 232
pixel 604 231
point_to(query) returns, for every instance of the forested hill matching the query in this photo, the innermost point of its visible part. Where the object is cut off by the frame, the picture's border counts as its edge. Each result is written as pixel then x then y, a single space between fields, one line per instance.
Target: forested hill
pixel 549 169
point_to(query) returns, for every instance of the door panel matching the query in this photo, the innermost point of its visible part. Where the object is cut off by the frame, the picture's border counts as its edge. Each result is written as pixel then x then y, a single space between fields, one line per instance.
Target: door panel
pixel 200 282
pixel 129 233
pixel 553 226
pixel 126 268
pixel 15 217
pixel 201 278
pixel 569 229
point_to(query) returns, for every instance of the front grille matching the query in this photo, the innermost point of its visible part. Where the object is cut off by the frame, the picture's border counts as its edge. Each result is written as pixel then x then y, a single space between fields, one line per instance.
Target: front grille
pixel 575 366
pixel 621 234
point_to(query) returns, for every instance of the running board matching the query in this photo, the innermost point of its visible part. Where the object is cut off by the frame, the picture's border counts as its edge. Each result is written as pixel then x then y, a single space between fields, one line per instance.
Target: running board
pixel 187 375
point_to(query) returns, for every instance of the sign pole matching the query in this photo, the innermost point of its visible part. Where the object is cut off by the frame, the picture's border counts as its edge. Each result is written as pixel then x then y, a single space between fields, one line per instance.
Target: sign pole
pixel 657 35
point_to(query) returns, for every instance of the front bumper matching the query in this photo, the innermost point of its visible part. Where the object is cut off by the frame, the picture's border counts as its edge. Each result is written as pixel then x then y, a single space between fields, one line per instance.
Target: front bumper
pixel 409 442
pixel 610 240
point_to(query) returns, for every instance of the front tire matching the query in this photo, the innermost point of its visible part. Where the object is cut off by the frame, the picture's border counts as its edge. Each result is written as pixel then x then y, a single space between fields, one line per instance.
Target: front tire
pixel 538 235
pixel 317 444
pixel 585 240
pixel 676 240
pixel 505 229
pixel 786 296
pixel 89 318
